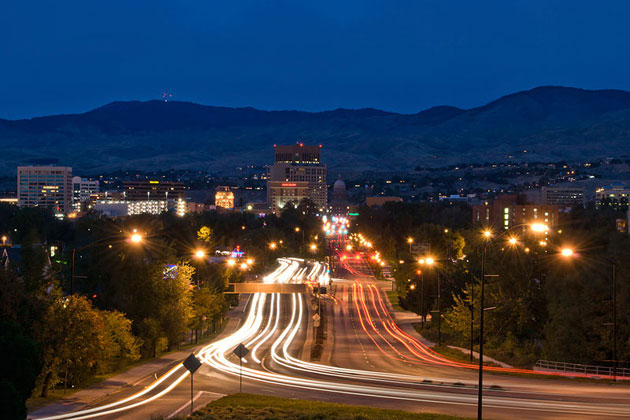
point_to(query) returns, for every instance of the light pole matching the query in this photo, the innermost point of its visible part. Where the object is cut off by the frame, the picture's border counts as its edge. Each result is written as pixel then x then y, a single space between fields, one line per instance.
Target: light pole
pixel 410 241
pixel 569 253
pixel 134 238
pixel 488 238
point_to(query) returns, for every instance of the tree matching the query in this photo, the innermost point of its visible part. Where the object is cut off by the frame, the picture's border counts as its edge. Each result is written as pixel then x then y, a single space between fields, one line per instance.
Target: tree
pixel 121 346
pixel 72 340
pixel 204 234
pixel 19 370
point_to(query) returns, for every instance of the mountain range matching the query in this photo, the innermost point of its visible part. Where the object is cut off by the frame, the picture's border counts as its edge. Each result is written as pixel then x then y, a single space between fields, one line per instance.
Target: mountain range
pixel 547 123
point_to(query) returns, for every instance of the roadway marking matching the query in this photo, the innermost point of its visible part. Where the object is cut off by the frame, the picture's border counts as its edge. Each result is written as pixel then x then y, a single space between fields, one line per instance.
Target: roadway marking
pixel 199 394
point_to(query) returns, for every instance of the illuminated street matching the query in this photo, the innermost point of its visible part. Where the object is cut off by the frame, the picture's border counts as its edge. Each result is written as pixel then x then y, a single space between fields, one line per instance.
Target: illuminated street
pixel 373 362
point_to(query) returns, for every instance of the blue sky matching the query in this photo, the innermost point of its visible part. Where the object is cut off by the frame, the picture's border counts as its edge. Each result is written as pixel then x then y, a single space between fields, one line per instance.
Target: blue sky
pixel 404 56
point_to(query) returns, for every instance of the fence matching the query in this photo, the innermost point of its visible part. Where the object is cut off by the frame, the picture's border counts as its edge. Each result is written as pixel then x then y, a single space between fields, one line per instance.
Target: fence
pixel 547 365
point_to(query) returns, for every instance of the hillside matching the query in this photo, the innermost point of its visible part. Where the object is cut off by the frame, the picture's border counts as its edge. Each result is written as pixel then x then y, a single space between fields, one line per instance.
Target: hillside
pixel 545 123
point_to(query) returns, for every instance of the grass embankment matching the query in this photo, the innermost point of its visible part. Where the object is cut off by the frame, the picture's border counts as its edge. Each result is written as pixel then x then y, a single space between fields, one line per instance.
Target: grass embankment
pixel 393 299
pixel 255 407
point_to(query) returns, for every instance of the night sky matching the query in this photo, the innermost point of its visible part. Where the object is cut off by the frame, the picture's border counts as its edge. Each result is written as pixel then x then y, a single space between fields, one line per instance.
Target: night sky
pixel 71 56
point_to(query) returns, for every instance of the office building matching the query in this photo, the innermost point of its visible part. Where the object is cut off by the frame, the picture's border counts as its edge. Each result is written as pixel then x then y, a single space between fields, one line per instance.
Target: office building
pixel 82 190
pixel 614 196
pixel 45 186
pixel 153 190
pixel 507 211
pixel 281 194
pixel 224 198
pixel 117 208
pixel 296 164
pixel 563 196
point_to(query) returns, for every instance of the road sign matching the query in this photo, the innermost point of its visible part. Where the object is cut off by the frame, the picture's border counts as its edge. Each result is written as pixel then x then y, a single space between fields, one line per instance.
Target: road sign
pixel 420 248
pixel 316 324
pixel 192 363
pixel 241 351
pixel 316 317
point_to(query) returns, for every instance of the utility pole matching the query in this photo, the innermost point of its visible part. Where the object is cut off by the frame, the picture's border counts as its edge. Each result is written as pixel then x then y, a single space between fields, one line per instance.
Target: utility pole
pixel 614 284
pixel 481 303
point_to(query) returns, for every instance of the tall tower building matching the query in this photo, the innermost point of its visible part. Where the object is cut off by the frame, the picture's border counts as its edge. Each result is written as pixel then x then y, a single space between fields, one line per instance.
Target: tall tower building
pixel 296 164
pixel 45 186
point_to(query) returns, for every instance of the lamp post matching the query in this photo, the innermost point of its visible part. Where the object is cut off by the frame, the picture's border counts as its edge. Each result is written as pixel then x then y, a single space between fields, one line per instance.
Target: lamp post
pixel 410 241
pixel 431 262
pixel 134 238
pixel 488 238
pixel 569 253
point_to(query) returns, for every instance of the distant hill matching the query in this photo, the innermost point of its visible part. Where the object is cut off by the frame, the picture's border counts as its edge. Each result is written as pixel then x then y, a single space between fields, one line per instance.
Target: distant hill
pixel 545 123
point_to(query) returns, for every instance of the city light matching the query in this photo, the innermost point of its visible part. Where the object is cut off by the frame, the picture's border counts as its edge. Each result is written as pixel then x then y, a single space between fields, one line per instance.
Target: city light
pixel 566 252
pixel 487 233
pixel 410 240
pixel 539 227
pixel 512 240
pixel 313 247
pixel 243 266
pixel 200 253
pixel 273 245
pixel 136 238
pixel 250 261
pixel 231 262
pixel 430 261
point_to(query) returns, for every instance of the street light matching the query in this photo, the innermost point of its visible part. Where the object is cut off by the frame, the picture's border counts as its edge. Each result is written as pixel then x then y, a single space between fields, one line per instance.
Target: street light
pixel 410 241
pixel 488 237
pixel 313 247
pixel 273 246
pixel 134 238
pixel 200 253
pixel 431 262
pixel 231 262
pixel 569 253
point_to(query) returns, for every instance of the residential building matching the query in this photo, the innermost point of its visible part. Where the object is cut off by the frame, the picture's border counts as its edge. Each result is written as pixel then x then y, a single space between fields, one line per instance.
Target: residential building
pixel 224 198
pixel 153 190
pixel 296 164
pixel 282 193
pixel 613 196
pixel 563 196
pixel 82 190
pixel 45 186
pixel 507 211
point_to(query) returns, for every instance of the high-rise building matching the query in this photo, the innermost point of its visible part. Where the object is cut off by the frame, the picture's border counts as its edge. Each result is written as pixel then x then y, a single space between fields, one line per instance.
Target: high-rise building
pixel 82 189
pixel 45 186
pixel 224 197
pixel 563 196
pixel 153 190
pixel 282 193
pixel 296 164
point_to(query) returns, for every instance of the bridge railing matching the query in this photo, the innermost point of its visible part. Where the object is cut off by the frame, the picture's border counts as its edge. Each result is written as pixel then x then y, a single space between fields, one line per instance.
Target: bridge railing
pixel 547 365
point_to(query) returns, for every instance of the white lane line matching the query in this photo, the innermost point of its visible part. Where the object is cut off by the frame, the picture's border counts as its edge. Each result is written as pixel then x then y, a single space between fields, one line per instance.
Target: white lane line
pixel 199 394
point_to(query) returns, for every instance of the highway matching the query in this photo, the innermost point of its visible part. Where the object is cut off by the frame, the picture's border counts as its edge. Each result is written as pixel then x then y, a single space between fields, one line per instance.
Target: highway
pixel 370 360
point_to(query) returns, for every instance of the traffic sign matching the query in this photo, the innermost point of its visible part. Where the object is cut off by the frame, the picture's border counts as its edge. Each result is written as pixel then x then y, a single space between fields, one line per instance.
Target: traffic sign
pixel 192 363
pixel 241 351
pixel 316 317
pixel 316 324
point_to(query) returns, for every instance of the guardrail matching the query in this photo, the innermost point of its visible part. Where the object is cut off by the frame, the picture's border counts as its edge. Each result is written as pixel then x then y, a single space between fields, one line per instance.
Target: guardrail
pixel 547 365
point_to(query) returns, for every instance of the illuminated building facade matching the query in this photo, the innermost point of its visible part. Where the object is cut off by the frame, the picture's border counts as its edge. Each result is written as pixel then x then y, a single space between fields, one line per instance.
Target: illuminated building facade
pixel 296 164
pixel 563 196
pixel 45 186
pixel 224 197
pixel 507 211
pixel 82 190
pixel 153 190
pixel 615 196
pixel 281 193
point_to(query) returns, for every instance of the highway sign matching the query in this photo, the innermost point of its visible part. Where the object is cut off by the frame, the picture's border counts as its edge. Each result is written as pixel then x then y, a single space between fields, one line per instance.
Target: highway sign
pixel 241 351
pixel 192 363
pixel 316 317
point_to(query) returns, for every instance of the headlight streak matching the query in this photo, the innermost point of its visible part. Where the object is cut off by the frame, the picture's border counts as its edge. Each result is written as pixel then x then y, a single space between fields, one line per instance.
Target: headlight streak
pixel 216 355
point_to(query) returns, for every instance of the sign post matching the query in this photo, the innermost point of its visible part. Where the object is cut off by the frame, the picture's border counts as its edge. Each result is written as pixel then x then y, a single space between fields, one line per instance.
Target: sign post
pixel 241 351
pixel 192 364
